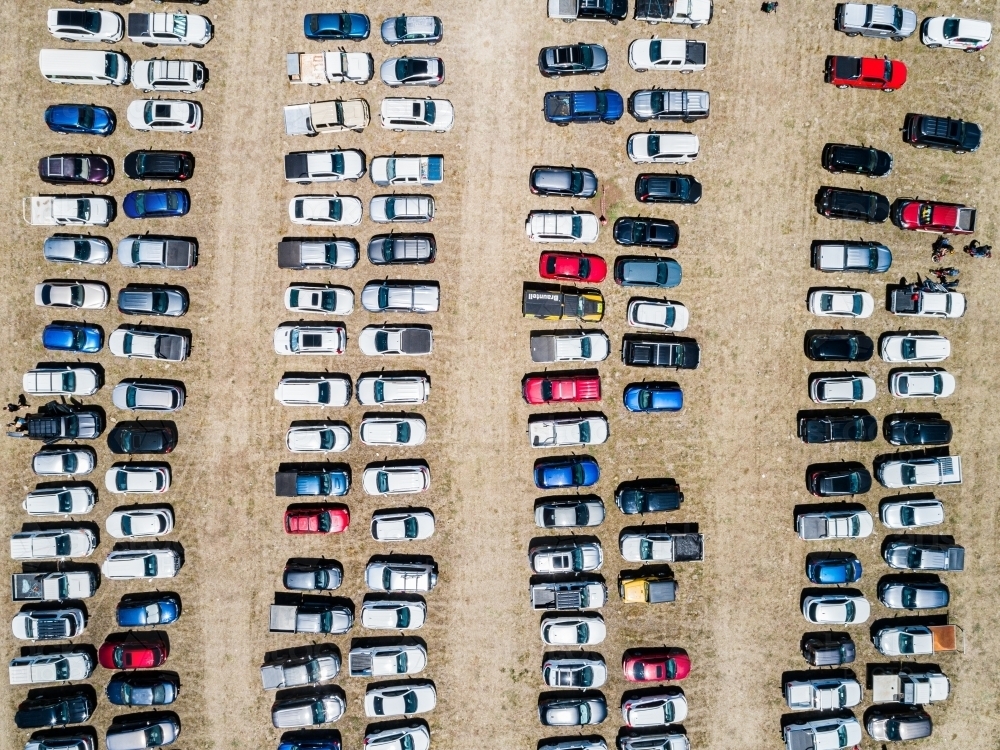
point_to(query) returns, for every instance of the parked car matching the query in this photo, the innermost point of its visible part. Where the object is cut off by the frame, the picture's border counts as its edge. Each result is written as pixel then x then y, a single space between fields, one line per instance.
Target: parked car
pixel 656 709
pixel 565 107
pixel 849 480
pixel 572 60
pixel 402 249
pixel 387 209
pixel 829 650
pixel 48 625
pixel 944 133
pixel 653 397
pixel 395 340
pixel 140 521
pixel 648 496
pixel 333 210
pixel 52 544
pixel 400 430
pixel 384 390
pixel 130 564
pixel 156 204
pixel 646 232
pixel 915 347
pixel 933 216
pixel 133 342
pixel 85 25
pixel 74 461
pixel 317 519
pixel 311 481
pixel 173 115
pixel 565 266
pixel 569 512
pixel 146 610
pixel 137 478
pixel 839 346
pixel 416 737
pixel 563 711
pixel 318 438
pixel 930 383
pixel 565 557
pixel 838 427
pixel 919 472
pixel 879 21
pixel 178 76
pixel 54 710
pixel 906 514
pixel 833 568
pixel 153 251
pixel 315 575
pixel 427 171
pixel 60 380
pixel 402 526
pixel 663 188
pixel 131 689
pixel 645 271
pixel 412 30
pixel 912 595
pixel 152 300
pixel 562 226
pixel 852 205
pixel 82 119
pixel 836 733
pixel 952 32
pixel 914 429
pixel 324 299
pixel 76 248
pixel 569 388
pixel 840 158
pixel 573 630
pixel 400 700
pixel 655 665
pixel 152 29
pixel 836 609
pixel 662 148
pixel 323 707
pixel 567 182
pixel 567 431
pixel 687 105
pixel 384 614
pixel 310 339
pixel 656 315
pixel 850 257
pixel 320 390
pixel 900 724
pixel 679 55
pixel 306 167
pixel 845 303
pixel 567 471
pixel 72 337
pixel 327 27
pixel 159 165
pixel 80 295
pixel 865 72
pixel 412 71
pixel 76 169
pixel 398 114
pixel 580 673
pixel 60 500
pixel 132 654
pixel 396 480
pixel 129 438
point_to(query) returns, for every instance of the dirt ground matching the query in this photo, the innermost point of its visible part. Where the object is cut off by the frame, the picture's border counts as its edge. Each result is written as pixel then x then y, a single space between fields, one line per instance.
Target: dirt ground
pixel 744 251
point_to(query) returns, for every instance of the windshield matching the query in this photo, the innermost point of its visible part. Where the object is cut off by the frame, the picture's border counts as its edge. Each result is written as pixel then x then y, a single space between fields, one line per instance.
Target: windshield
pixel 546 390
pixel 430 109
pixel 63 545
pixel 410 528
pixel 382 481
pixel 905 643
pixel 577 227
pixel 403 617
pixel 150 566
pixel 908 474
pixel 410 702
pixel 160 302
pixel 906 516
pixel 323 522
pixel 401 663
pixel 951 28
pixel 578 474
pixel 645 550
pixel 582 633
pixel 111 65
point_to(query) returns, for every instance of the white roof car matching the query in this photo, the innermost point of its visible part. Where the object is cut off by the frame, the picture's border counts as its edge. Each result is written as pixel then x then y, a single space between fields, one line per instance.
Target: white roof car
pixel 417 114
pixel 384 614
pixel 846 303
pixel 334 165
pixel 662 740
pixel 566 557
pixel 555 433
pixel 681 55
pixel 174 115
pixel 393 430
pixel 412 71
pixel 138 735
pixel 130 523
pixel 907 514
pixel 573 630
pixel 68 380
pixel 646 546
pixel 140 395
pixel 659 709
pixel 396 480
pixel 169 28
pixel 82 295
pixel 386 209
pixel 378 341
pixel 930 383
pixel 952 32
pixel 400 700
pixel 386 390
pixel 63 500
pixel 400 297
pixel 915 347
pixel 402 526
pixel 663 148
pixel 580 673
pixel 40 668
pixel 178 76
pixel 52 544
pixel 127 564
pixel 132 342
pixel 26 624
pixel 823 694
pixel 657 316
pixel 400 577
pixel 137 479
pixel 321 390
pixel 836 609
pixel 841 389
pixel 318 438
pixel 292 713
pixel 333 210
pixel 562 226
pixel 416 737
pixel 65 460
pixel 295 339
pixel 569 512
pixel 85 25
pixel 76 248
pixel 324 299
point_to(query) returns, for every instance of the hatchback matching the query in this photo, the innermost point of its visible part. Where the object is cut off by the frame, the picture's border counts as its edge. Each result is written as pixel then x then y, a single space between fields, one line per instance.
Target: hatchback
pixel 83 119
pixel 653 397
pixel 633 270
pixel 156 204
pixel 567 471
pixel 323 27
pixel 72 337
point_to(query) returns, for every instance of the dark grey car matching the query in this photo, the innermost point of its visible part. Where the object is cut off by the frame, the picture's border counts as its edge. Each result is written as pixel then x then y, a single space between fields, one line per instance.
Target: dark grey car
pixel 151 300
pixel 636 270
pixel 572 59
pixel 384 249
pixel 570 182
pixel 907 595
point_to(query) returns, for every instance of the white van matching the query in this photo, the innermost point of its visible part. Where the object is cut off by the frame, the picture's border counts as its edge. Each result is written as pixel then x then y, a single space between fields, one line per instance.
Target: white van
pixel 84 66
pixel 663 148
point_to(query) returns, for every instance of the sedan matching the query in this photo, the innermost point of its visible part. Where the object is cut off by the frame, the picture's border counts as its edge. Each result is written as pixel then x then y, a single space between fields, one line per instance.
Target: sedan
pixel 76 169
pixel 412 30
pixel 148 395
pixel 655 665
pixel 572 712
pixel 844 303
pixel 137 479
pixel 836 609
pixel 152 300
pixel 572 60
pixel 393 615
pixel 400 700
pixel 322 438
pixel 580 673
pixel 79 295
pixel 416 737
pixel 915 347
pixel 132 654
pixel 908 514
pixel 841 389
pixel 324 299
pixel 646 232
pixel 573 630
pixel 129 689
pixel 325 27
pixel 656 710
pixel 412 71
pixel 833 568
pixel 849 480
pixel 60 500
pixel 85 25
pixel 148 609
pixel 72 337
pixel 635 270
pixel 402 526
pixel 81 119
pixel 563 266
pixel 839 158
pixel 930 383
pixel 317 519
pixel 569 512
pixel 172 115
pixel 653 397
pixel 71 461
pixel 141 521
pixel 292 339
pixel 668 317
pixel 332 210
pixel 393 430
pixel 565 182
pixel 913 595
pixel 128 438
pixel 913 429
pixel 76 248
pixel 951 32
pixel 156 204
pixel 839 346
pixel 396 480
pixel 567 471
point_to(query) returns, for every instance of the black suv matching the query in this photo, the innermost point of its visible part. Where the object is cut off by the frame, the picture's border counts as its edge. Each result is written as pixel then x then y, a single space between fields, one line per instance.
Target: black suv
pixel 668 188
pixel 142 437
pixel 913 429
pixel 648 496
pixel 838 428
pixel 611 11
pixel 642 232
pixel 854 205
pixel 925 131
pixel 175 166
pixel 841 158
pixel 839 346
pixel 846 479
pixel 570 182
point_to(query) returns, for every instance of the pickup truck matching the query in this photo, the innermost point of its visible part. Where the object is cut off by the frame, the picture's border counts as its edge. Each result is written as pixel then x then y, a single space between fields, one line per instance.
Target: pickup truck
pixel 693 13
pixel 146 251
pixel 683 354
pixel 576 347
pixel 821 694
pixel 328 619
pixel 647 588
pixel 304 255
pixel 316 68
pixel 564 107
pixel 568 11
pixel 586 594
pixel 562 303
pixel 310 482
pixel 152 29
pixel 327 117
pixel 555 433
pixel 835 733
pixel 916 640
pixel 56 421
pixel 933 216
pixel 306 167
pixel 407 170
pixel 387 661
pixel 646 545
pixel 912 300
pixel 32 670
pixel 299 671
pixel 850 256
pixel 52 544
pixel 60 211
pixel 916 688
pixel 48 625
pixel 52 587
pixel 924 557
pixel 544 390
pixel 920 472
pixel 842 524
pixel 687 105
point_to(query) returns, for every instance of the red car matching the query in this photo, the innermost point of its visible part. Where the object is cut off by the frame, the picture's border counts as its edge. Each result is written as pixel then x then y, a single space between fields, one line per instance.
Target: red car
pixel 317 519
pixel 543 390
pixel 931 216
pixel 572 267
pixel 132 654
pixel 865 72
pixel 655 665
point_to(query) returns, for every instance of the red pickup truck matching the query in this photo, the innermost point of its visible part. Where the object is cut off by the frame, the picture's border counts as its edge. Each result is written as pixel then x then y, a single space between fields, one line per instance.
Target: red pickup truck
pixel 544 390
pixel 865 72
pixel 932 216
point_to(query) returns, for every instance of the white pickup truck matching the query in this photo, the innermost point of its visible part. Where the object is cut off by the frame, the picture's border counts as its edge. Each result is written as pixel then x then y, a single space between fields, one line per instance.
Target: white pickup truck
pixel 407 170
pixel 558 433
pixel 916 640
pixel 59 211
pixel 920 472
pixel 62 380
pixel 910 688
pixel 315 68
pixel 52 587
pixel 300 671
pixel 912 300
pixel 386 661
pixel 311 618
pixel 835 733
pixel 576 347
pixel 52 544
pixel 33 670
pixel 693 13
pixel 841 524
pixel 823 694
pixel 335 116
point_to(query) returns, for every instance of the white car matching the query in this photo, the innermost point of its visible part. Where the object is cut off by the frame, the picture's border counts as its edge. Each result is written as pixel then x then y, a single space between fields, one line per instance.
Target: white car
pixel 405 479
pixel 137 479
pixel 657 710
pixel 400 577
pixel 66 460
pixel 178 76
pixel 402 526
pixel 379 341
pixel 416 737
pixel 292 339
pixel 574 673
pixel 680 55
pixel 323 438
pixel 915 347
pixel 68 666
pixel 400 114
pixel 823 694
pixel 930 383
pixel 131 342
pixel 672 317
pixel 65 500
pixel 569 512
pixel 400 700
pixel 566 557
pixel 324 299
pixel 385 614
pixel 573 630
pixel 52 544
pixel 184 29
pixel 394 209
pixel 141 395
pixel 952 32
pixel 325 210
pixel 562 226
pixel 63 380
pixel 305 167
pixel 130 564
pixel 841 389
pixel 132 523
pixel 845 303
pixel 908 514
pixel 173 115
pixel 663 148
pixel 569 431
pixel 400 297
pixel 646 546
pixel 393 390
pixel 26 624
pixel 321 391
pixel 393 431
pixel 80 295
pixel 836 609
pixel 79 25
pixel 407 170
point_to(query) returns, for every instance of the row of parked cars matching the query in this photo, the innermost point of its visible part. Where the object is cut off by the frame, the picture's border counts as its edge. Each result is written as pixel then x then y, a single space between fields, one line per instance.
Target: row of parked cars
pixel 898 694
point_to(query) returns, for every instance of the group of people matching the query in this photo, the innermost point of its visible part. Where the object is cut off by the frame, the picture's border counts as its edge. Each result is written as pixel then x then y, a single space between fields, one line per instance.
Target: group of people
pixel 942 247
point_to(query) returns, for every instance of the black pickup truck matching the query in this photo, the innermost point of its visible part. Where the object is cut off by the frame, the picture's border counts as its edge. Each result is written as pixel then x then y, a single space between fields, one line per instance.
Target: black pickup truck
pixel 562 303
pixel 661 351
pixel 56 421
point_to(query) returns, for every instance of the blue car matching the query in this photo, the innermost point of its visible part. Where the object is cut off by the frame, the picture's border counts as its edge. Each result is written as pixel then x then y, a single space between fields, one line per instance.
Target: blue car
pixel 324 27
pixel 310 744
pixel 132 689
pixel 156 204
pixel 72 337
pixel 564 107
pixel 566 471
pixel 157 609
pixel 84 119
pixel 833 567
pixel 652 397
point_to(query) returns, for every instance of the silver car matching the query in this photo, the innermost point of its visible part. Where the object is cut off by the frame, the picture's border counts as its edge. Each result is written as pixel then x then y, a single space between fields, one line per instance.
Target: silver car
pixel 572 712
pixel 76 248
pixel 142 735
pixel 881 21
pixel 412 71
pixel 574 673
pixel 913 595
pixel 325 708
pixel 412 30
pixel 657 741
pixel 569 512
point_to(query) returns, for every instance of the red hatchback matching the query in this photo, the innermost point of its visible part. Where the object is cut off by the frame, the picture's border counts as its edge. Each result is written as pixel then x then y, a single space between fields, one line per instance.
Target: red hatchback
pixel 655 665
pixel 317 519
pixel 572 267
pixel 132 654
pixel 865 72
pixel 931 216
pixel 543 390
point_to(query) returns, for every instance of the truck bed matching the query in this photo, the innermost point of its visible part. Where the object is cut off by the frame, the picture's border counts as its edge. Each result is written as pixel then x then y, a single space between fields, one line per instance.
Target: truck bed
pixel 688 547
pixel 653 10
pixel 416 341
pixel 286 484
pixel 945 637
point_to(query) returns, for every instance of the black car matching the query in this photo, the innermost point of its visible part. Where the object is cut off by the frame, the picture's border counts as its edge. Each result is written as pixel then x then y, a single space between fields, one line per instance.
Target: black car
pixel 667 188
pixel 53 711
pixel 648 496
pixel 828 649
pixel 175 166
pixel 143 437
pixel 847 479
pixel 838 428
pixel 76 169
pixel 642 232
pixel 572 60
pixel 611 11
pixel 841 158
pixel 839 346
pixel 925 131
pixel 912 429
pixel 569 182
pixel 853 205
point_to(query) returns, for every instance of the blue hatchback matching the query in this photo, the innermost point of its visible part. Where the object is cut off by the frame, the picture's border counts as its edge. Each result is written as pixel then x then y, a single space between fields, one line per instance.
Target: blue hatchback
pixel 564 107
pixel 84 119
pixel 833 567
pixel 566 471
pixel 72 337
pixel 651 397
pixel 323 27
pixel 156 204
pixel 131 689
pixel 310 744
pixel 157 609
